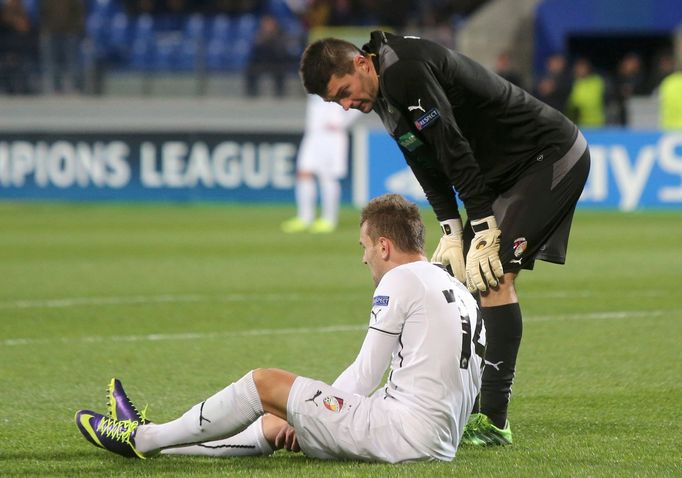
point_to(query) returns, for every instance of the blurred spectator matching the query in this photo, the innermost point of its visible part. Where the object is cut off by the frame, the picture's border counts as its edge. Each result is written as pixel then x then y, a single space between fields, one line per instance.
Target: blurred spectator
pixel 177 6
pixel 138 7
pixel 391 13
pixel 269 55
pixel 316 14
pixel 586 101
pixel 629 81
pixel 61 31
pixel 670 96
pixel 431 13
pixel 342 13
pixel 504 68
pixel 554 86
pixel 235 7
pixel 15 48
pixel 665 65
pixel 210 7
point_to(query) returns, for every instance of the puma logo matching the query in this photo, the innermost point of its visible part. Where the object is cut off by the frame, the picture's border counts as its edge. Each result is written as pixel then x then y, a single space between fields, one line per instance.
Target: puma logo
pixel 496 366
pixel 312 399
pixel 202 418
pixel 418 106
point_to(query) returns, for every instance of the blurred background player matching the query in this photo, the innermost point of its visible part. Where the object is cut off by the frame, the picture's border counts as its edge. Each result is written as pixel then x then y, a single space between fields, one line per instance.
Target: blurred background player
pixel 323 156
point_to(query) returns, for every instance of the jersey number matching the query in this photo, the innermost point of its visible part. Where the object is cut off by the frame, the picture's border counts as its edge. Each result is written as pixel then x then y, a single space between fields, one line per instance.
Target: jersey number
pixel 467 339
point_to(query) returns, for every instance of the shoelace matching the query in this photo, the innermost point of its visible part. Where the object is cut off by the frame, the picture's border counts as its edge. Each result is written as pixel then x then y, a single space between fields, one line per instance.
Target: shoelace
pixel 475 424
pixel 111 406
pixel 142 414
pixel 118 430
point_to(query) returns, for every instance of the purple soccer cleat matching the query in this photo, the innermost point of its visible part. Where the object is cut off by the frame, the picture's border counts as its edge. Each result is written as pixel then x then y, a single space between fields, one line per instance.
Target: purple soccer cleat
pixel 117 436
pixel 119 405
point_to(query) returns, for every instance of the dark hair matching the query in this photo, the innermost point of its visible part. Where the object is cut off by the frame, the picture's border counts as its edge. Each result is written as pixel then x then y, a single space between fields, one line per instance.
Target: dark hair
pixel 323 59
pixel 395 218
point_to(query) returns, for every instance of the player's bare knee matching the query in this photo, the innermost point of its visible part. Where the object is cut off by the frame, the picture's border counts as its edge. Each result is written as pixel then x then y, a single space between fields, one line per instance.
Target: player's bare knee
pixel 273 386
pixel 261 378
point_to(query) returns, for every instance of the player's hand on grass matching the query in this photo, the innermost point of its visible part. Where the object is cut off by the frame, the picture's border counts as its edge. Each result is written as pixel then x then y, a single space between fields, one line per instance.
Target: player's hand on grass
pixel 483 265
pixel 286 438
pixel 449 251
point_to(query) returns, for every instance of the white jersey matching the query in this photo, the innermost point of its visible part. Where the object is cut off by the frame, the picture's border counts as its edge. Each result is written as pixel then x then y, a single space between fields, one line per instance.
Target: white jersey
pixel 427 325
pixel 324 148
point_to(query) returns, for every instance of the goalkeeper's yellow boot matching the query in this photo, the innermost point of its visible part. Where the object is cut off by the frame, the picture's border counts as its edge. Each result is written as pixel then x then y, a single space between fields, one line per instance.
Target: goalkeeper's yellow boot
pixel 294 225
pixel 480 431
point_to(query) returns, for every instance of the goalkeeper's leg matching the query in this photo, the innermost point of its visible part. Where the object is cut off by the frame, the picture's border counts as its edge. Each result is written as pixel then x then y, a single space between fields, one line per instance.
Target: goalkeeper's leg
pixel 503 321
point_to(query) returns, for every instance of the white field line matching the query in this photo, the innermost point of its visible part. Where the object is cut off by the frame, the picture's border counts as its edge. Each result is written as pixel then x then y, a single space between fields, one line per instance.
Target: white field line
pixel 586 294
pixel 187 336
pixel 613 315
pixel 154 299
pixel 180 298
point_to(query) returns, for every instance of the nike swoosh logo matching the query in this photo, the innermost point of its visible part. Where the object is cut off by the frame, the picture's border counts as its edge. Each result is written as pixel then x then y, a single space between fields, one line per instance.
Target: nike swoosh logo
pixel 84 419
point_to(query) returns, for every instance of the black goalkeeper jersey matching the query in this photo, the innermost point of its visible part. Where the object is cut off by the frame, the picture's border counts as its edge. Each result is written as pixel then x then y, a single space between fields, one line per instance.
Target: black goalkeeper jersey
pixel 459 125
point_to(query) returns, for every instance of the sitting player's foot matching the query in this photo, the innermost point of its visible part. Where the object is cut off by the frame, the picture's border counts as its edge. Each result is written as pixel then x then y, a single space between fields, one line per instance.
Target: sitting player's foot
pixel 480 431
pixel 322 226
pixel 294 225
pixel 119 405
pixel 117 436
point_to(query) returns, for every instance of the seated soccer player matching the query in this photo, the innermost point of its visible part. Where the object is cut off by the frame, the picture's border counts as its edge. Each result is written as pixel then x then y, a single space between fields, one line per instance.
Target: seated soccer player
pixel 423 324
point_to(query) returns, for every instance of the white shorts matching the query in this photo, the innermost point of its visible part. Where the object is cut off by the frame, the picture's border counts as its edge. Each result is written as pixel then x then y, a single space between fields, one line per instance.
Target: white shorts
pixel 324 154
pixel 332 424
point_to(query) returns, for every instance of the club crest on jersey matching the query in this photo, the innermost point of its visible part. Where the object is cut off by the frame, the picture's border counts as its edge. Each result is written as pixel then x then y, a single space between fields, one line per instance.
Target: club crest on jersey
pixel 520 245
pixel 333 404
pixel 427 119
pixel 380 301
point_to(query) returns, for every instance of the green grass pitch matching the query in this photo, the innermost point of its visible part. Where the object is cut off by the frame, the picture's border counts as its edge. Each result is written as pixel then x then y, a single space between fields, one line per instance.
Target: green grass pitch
pixel 179 301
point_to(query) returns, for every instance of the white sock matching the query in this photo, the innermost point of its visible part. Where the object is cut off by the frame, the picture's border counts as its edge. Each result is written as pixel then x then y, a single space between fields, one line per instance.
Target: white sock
pixel 250 442
pixel 330 191
pixel 306 195
pixel 223 415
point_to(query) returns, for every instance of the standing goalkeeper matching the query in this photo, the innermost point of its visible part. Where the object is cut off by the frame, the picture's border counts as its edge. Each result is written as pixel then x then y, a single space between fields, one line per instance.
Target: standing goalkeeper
pixel 517 165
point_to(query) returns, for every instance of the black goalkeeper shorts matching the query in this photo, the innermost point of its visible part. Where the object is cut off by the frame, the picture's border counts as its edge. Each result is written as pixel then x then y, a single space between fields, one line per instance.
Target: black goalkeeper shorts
pixel 535 214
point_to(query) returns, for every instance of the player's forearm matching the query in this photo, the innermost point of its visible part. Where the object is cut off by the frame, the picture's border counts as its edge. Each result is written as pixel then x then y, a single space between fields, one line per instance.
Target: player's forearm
pixel 364 375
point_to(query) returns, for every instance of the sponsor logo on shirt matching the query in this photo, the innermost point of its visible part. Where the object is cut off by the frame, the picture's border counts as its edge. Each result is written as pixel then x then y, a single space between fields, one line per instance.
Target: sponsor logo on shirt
pixel 409 141
pixel 426 119
pixel 380 300
pixel 333 404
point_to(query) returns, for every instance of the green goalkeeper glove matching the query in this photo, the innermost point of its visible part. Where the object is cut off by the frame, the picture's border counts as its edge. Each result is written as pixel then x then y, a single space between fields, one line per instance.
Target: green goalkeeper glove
pixel 449 250
pixel 483 266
